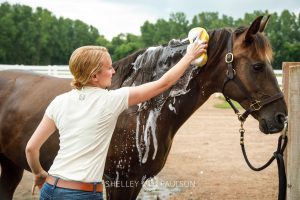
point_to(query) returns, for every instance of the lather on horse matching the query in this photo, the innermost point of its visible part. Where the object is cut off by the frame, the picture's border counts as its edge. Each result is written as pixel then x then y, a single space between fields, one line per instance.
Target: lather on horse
pixel 239 65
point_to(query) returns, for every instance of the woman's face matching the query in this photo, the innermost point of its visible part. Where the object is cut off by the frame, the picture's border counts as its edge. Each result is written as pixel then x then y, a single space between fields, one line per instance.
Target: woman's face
pixel 103 78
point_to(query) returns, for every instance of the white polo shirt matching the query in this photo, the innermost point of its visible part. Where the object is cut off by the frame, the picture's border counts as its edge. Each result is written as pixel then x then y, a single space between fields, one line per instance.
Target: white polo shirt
pixel 86 120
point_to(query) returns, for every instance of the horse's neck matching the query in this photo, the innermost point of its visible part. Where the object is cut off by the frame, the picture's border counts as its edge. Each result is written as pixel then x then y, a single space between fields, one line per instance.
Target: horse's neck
pixel 208 80
pixel 177 110
pixel 175 106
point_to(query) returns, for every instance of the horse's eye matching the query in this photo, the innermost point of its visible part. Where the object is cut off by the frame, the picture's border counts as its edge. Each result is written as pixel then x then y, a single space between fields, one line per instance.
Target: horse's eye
pixel 258 67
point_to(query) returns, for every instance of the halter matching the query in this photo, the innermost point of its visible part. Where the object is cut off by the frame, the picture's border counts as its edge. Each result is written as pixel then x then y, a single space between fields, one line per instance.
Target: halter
pixel 255 106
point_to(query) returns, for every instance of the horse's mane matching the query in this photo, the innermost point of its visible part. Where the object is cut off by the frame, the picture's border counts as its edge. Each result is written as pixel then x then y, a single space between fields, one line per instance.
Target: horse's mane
pixel 217 43
pixel 124 69
pixel 149 64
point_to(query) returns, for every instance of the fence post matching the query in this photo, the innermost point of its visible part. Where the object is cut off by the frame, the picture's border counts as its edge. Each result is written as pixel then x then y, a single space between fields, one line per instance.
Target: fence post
pixel 293 147
pixel 285 77
pixel 55 70
pixel 49 70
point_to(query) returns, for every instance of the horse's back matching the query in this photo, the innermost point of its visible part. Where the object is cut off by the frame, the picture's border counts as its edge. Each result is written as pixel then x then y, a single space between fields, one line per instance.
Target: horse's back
pixel 24 96
pixel 27 90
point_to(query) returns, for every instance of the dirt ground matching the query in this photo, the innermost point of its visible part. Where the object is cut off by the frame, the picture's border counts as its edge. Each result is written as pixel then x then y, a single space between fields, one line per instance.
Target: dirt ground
pixel 206 161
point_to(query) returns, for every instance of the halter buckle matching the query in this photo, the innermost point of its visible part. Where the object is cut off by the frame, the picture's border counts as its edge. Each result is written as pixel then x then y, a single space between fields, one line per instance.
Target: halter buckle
pixel 229 57
pixel 256 105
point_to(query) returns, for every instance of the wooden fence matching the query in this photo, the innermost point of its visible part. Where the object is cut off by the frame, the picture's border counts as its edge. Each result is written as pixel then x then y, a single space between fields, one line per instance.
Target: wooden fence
pixel 291 87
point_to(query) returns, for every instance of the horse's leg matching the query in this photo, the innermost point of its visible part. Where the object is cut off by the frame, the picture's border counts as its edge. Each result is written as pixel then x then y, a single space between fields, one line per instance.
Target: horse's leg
pixel 11 175
pixel 135 192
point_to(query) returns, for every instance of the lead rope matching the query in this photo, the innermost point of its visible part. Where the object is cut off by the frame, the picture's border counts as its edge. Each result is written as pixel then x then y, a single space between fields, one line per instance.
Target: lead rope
pixel 278 154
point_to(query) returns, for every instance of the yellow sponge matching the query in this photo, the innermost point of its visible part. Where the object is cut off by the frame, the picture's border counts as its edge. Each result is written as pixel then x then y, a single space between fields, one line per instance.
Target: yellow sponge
pixel 201 61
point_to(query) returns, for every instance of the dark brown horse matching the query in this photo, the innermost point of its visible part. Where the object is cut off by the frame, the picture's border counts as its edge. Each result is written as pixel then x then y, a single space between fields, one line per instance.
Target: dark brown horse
pixel 144 133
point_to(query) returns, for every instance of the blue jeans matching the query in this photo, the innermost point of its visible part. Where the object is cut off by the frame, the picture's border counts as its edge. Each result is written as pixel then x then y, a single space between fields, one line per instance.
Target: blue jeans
pixel 51 192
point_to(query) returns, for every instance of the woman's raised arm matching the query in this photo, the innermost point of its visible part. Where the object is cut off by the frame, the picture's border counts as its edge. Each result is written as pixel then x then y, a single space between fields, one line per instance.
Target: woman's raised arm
pixel 144 92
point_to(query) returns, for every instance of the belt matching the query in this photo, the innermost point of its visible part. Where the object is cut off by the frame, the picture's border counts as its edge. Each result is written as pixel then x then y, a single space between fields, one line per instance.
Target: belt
pixel 75 185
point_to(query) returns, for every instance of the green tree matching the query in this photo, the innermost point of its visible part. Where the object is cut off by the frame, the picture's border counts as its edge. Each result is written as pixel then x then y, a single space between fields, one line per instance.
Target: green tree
pixel 36 37
pixel 148 31
pixel 179 25
pixel 125 44
pixel 8 32
pixel 283 32
pixel 163 31
pixel 211 20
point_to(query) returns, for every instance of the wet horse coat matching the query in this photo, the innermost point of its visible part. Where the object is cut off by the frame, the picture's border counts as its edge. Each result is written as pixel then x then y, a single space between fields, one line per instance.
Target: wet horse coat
pixel 144 133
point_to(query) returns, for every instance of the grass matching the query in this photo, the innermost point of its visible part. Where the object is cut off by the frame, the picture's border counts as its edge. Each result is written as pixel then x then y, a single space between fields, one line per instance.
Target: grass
pixel 225 105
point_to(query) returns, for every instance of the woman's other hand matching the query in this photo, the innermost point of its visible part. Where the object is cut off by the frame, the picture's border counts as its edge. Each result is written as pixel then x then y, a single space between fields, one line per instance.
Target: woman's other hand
pixel 39 180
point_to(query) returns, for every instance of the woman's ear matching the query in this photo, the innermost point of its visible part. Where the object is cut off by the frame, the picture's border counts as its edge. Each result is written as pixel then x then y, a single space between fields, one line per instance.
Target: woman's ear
pixel 94 78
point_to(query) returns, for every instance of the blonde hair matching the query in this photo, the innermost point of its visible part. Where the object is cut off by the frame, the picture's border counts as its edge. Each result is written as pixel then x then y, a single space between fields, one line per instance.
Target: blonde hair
pixel 84 62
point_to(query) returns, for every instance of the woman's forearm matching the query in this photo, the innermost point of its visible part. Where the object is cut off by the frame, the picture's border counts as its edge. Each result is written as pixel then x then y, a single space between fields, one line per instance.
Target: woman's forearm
pixel 32 156
pixel 193 51
pixel 40 135
pixel 172 76
pixel 146 91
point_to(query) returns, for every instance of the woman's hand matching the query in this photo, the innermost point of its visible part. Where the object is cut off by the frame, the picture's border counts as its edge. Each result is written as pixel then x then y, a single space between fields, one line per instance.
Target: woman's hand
pixel 39 180
pixel 195 49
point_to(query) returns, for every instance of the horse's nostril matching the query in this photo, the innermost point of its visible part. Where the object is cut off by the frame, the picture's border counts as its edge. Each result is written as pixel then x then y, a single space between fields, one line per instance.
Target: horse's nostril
pixel 280 117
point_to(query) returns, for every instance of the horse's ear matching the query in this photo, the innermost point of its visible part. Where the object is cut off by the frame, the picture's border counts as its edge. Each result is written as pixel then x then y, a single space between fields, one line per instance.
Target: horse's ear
pixel 253 29
pixel 263 24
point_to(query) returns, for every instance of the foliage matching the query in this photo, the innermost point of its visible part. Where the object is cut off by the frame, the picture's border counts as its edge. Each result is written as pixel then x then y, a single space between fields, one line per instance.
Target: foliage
pixel 37 37
pixel 225 105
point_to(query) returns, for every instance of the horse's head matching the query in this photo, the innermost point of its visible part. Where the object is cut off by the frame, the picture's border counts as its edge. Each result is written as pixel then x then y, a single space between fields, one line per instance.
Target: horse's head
pixel 249 78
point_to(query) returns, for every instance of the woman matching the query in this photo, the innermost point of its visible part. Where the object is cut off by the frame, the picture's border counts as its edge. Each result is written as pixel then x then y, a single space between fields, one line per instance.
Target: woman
pixel 85 118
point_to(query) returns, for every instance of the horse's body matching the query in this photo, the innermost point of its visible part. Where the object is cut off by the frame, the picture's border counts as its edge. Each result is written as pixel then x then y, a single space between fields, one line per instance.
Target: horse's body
pixel 144 133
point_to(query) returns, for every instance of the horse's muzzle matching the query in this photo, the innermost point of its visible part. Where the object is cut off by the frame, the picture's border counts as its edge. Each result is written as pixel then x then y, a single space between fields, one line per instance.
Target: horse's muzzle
pixel 274 125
